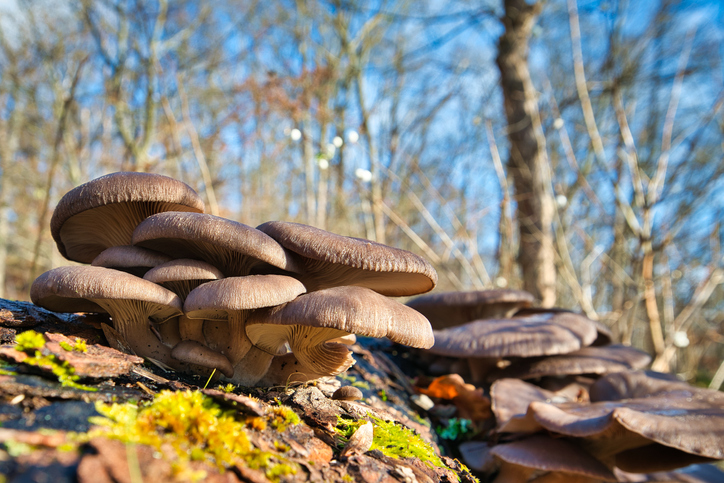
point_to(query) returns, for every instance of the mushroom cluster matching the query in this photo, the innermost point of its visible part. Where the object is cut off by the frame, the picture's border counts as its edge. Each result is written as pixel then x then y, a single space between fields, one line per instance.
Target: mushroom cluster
pixel 197 293
pixel 499 335
pixel 567 404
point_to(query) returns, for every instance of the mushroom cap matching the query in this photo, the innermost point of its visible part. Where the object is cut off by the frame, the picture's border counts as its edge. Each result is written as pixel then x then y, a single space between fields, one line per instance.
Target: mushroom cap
pixel 78 288
pixel 127 258
pixel 330 260
pixel 312 321
pixel 448 309
pixel 634 384
pixel 534 335
pixel 688 420
pixel 510 398
pixel 347 393
pixel 235 248
pixel 589 360
pixel 350 309
pixel 217 299
pixel 552 454
pixel 103 212
pixel 605 336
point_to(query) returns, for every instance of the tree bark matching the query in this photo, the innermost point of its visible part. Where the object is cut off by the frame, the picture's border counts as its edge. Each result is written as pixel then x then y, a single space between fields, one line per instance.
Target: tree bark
pixel 527 158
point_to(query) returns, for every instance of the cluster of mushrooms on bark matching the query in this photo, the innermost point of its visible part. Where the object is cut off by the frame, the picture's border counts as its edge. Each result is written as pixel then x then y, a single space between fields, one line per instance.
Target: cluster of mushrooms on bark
pixel 195 292
pixel 282 302
pixel 567 405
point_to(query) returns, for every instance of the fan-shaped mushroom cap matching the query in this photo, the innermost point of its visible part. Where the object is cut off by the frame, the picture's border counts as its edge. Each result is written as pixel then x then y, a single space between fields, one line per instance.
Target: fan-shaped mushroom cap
pixel 127 258
pixel 690 421
pixel 605 336
pixel 551 454
pixel 330 260
pixel 510 398
pixel 235 248
pixel 589 360
pixel 309 322
pixel 635 384
pixel 449 309
pixel 534 335
pixel 132 302
pixel 225 304
pixel 103 212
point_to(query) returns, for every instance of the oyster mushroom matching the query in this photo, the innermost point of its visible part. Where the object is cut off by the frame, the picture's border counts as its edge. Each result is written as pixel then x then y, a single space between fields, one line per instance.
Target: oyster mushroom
pixel 138 308
pixel 310 322
pixel 328 260
pixel 224 306
pixel 104 212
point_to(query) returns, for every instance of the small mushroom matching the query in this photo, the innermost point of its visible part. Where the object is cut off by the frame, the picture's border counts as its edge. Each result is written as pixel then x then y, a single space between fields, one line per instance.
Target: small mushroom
pixel 328 260
pixel 225 304
pixel 347 393
pixel 127 258
pixel 136 306
pixel 448 309
pixel 104 212
pixel 309 322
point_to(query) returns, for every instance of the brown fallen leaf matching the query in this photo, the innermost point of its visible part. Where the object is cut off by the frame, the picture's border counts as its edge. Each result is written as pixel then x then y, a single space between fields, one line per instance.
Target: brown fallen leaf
pixel 468 399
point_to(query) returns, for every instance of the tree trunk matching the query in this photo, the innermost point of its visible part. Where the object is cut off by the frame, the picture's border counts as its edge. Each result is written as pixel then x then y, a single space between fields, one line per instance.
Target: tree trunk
pixel 527 161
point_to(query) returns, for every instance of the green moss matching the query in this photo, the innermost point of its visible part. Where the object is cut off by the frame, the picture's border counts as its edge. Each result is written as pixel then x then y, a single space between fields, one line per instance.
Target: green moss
pixel 31 343
pixel 78 346
pixel 229 388
pixel 393 440
pixel 191 424
pixel 282 417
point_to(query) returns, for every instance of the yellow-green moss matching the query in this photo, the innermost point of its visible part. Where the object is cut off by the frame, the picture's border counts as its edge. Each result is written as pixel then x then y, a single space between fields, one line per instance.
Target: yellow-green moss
pixel 393 440
pixel 194 426
pixel 78 346
pixel 282 417
pixel 31 343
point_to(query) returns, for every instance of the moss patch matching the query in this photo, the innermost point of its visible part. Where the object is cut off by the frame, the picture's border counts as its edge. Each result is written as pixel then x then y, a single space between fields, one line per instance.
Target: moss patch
pixel 32 343
pixel 194 427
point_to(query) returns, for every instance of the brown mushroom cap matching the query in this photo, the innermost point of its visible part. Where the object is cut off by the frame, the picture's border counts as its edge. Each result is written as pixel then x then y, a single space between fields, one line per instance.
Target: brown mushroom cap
pixel 225 305
pixel 309 322
pixel 233 247
pixel 127 258
pixel 103 212
pixel 449 309
pixel 347 393
pixel 635 384
pixel 133 303
pixel 510 398
pixel 690 421
pixel 605 336
pixel 330 260
pixel 534 335
pixel 552 454
pixel 589 360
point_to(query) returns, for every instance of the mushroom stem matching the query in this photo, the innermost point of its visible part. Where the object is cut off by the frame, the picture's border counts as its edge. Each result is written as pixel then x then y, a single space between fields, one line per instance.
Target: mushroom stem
pixel 252 367
pixel 136 330
pixel 228 337
pixel 285 370
pixel 480 367
pixel 192 352
pixel 191 329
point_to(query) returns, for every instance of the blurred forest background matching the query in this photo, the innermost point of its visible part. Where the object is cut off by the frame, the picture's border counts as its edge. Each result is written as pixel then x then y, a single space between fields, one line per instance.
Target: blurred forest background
pixel 572 148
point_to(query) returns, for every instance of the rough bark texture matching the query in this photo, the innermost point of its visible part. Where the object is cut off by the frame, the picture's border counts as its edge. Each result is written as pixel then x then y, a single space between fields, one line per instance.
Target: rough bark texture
pixel 32 402
pixel 528 161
